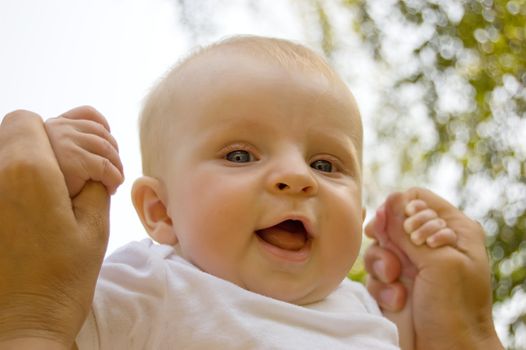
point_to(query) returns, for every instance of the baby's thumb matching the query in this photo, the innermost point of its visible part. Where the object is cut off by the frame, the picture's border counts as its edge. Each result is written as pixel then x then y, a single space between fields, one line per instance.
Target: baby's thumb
pixel 91 207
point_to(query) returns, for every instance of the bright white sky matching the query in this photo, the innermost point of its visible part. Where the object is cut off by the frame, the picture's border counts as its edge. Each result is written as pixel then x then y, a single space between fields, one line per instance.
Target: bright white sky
pixel 58 54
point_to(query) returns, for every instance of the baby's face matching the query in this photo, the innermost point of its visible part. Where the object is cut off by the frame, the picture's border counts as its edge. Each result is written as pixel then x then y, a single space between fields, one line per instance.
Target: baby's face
pixel 263 176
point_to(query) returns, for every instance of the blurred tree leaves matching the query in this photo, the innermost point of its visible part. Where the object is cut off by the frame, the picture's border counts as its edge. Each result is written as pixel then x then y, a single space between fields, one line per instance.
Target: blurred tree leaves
pixel 465 60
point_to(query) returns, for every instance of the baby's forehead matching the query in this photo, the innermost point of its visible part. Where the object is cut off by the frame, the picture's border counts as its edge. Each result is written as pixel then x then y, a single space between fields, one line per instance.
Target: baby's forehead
pixel 189 83
pixel 225 57
pixel 214 69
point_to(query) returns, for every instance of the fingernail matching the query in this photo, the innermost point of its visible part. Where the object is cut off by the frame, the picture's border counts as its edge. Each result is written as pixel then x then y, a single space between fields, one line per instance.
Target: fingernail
pixel 431 241
pixel 415 237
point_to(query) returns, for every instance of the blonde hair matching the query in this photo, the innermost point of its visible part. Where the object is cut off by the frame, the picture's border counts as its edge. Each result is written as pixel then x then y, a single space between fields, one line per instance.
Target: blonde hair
pixel 154 122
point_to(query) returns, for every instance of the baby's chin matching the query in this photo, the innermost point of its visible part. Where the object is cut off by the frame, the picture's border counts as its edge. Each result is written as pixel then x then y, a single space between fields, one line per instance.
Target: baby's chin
pixel 297 295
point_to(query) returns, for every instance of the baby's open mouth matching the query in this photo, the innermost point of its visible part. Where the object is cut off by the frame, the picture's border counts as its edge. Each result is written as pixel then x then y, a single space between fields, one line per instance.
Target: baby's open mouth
pixel 288 235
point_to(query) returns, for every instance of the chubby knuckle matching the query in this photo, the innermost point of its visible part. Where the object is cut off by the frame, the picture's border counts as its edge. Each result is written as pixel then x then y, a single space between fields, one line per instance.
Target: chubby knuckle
pixel 59 127
pixel 443 223
pixel 93 114
pixel 89 109
pixel 408 225
pixel 107 138
pixel 85 110
pixel 427 214
pixel 106 147
pixel 105 167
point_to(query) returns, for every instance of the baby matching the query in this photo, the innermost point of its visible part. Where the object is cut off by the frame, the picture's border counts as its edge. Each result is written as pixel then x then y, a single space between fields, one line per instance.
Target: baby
pixel 252 186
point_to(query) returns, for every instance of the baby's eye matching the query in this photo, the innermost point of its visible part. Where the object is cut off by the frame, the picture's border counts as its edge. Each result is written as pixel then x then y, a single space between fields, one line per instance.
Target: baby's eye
pixel 239 156
pixel 322 165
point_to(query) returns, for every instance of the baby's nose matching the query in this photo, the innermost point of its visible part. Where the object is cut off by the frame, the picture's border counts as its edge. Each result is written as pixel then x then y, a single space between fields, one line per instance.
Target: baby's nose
pixel 293 177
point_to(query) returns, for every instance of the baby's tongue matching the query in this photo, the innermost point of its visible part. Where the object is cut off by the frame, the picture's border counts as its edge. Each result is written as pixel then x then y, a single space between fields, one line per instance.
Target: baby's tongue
pixel 286 235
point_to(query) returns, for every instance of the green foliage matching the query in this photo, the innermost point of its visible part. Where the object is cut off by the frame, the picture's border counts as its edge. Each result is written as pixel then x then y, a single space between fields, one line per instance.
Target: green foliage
pixel 358 272
pixel 468 65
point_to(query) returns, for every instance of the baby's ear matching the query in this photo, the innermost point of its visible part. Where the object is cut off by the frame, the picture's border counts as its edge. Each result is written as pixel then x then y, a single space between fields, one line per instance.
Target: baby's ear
pixel 147 194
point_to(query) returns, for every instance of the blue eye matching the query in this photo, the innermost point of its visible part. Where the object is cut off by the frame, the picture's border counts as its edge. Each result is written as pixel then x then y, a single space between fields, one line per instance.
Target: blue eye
pixel 239 156
pixel 322 165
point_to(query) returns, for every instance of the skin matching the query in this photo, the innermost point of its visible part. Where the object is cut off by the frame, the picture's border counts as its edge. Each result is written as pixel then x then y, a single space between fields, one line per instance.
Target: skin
pixel 276 167
pixel 46 290
pixel 85 150
pixel 404 279
pixel 283 121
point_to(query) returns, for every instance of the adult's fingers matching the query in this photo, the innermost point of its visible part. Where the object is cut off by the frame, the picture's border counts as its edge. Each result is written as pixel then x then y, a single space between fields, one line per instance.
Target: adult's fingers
pixel 375 229
pixel 384 270
pixel 382 264
pixel 389 296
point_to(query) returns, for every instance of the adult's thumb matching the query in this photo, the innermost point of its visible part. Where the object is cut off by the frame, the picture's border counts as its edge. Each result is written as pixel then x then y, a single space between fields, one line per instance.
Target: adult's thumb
pixel 91 207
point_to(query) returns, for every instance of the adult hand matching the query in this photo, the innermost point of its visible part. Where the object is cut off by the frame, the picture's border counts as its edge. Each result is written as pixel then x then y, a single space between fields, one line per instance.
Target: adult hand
pixel 51 247
pixel 447 290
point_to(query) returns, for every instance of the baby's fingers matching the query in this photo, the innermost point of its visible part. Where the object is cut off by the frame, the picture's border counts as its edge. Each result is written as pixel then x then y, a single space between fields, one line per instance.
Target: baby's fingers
pixel 425 226
pixel 427 230
pixel 101 147
pixel 100 161
pixel 443 237
pixel 99 168
pixel 87 113
pixel 62 127
pixel 413 222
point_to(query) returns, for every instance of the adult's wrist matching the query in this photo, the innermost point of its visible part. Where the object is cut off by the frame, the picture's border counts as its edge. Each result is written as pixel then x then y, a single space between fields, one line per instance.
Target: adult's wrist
pixel 479 341
pixel 490 342
pixel 30 343
pixel 37 322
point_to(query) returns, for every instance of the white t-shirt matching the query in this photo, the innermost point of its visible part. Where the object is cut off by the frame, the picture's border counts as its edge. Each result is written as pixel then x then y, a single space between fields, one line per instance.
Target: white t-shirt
pixel 149 297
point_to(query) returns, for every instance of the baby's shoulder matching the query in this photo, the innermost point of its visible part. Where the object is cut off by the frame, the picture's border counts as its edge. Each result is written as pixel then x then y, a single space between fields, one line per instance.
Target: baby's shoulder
pixel 353 296
pixel 145 251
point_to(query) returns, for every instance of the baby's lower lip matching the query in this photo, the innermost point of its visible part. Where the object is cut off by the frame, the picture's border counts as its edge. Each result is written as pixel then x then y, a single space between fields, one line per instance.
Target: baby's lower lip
pixel 299 256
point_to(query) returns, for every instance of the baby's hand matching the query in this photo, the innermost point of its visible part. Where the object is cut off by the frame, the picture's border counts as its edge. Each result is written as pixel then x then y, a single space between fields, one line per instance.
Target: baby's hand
pixel 424 225
pixel 85 150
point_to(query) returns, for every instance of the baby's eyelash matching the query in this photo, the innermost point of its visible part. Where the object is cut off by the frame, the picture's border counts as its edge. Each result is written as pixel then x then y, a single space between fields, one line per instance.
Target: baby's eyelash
pixel 238 147
pixel 337 164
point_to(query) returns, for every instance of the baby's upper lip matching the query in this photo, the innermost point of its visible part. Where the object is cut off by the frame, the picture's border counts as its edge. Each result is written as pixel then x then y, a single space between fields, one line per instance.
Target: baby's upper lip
pixel 307 223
